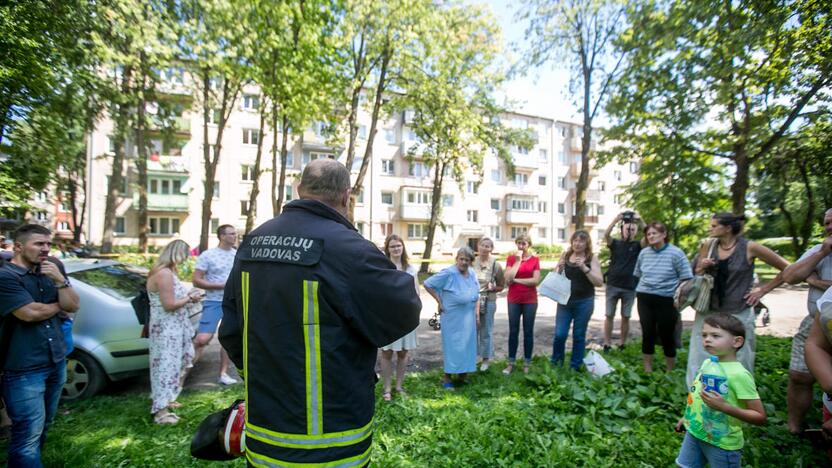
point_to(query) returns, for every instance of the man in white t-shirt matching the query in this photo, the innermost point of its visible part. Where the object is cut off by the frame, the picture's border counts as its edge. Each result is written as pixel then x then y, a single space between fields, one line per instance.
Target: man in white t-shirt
pixel 815 268
pixel 210 273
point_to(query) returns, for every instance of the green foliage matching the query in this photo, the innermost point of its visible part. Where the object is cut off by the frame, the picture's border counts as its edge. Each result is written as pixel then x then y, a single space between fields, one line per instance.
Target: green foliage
pixel 186 269
pixel 551 417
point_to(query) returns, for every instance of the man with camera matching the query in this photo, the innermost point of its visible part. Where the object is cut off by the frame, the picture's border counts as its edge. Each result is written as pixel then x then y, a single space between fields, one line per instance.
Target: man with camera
pixel 621 284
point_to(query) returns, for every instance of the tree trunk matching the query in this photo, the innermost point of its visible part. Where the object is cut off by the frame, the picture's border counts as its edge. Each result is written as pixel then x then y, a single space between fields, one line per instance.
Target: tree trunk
pixel 368 151
pixel 141 157
pixel 275 201
pixel 809 218
pixel 117 172
pixel 435 205
pixel 210 165
pixel 284 154
pixel 251 216
pixel 77 178
pixel 583 178
pixel 739 187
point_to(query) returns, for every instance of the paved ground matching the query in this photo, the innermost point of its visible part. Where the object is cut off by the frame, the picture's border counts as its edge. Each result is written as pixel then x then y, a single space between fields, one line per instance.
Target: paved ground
pixel 787 306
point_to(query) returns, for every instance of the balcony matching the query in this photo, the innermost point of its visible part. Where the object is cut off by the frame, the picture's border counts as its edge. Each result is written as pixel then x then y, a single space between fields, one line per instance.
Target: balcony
pixel 167 164
pixel 179 126
pixel 522 217
pixel 588 219
pixel 575 170
pixel 591 194
pixel 414 212
pixel 163 202
pixel 412 148
pixel 525 161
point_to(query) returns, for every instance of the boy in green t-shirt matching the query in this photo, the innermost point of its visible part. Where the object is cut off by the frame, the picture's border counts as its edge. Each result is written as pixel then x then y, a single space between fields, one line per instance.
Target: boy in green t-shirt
pixel 713 422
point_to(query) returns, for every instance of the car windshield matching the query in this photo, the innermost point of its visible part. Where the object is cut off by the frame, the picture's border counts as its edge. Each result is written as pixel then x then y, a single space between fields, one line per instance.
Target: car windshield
pixel 119 281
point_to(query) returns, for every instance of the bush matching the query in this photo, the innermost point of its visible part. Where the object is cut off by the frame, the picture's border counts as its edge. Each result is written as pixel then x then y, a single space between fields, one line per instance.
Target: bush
pixel 783 246
pixel 186 270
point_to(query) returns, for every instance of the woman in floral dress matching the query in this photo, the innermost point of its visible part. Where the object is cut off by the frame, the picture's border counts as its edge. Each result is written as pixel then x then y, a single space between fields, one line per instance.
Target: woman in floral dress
pixel 170 331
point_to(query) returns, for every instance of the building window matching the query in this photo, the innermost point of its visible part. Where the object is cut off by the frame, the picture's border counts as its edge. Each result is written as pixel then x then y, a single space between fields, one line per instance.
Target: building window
pixel 521 179
pixel 244 208
pixel 120 225
pixel 43 195
pixel 521 204
pixel 311 156
pixel 164 226
pixel 447 201
pixel 518 231
pixel 562 182
pixel 561 208
pixel 359 197
pixel 473 216
pixel 495 204
pixel 617 175
pixel 600 210
pixel 288 195
pixel 66 206
pixel 359 226
pixel 247 172
pixel 602 186
pixel 542 207
pixel 290 159
pixel 417 169
pixel 215 224
pixel 251 102
pixel 562 234
pixel 496 175
pixel 472 187
pixel 216 193
pixel 362 132
pixel 214 116
pixel 543 155
pixel 164 186
pixel 541 180
pixel 496 232
pixel 617 199
pixel 520 150
pixel 63 226
pixel 541 233
pixel 386 198
pixel 633 167
pixel 251 136
pixel 562 157
pixel 386 229
pixel 418 198
pixel 388 167
pixel 390 136
pixel 417 231
pixel 111 144
pixel 41 215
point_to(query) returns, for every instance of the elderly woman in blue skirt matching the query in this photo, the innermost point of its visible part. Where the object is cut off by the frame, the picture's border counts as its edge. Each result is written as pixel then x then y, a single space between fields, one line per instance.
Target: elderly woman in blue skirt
pixel 456 291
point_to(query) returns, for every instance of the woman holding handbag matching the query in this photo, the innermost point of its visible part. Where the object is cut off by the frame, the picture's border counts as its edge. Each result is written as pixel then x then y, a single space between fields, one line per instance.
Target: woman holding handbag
pixel 490 276
pixel 731 264
pixel 584 272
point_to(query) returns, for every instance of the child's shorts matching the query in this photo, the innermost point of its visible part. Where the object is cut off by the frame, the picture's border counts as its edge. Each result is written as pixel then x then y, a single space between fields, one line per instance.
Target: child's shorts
pixel 696 453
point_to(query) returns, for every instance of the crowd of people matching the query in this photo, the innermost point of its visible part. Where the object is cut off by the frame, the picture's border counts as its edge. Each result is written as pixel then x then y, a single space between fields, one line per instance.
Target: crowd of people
pixel 356 300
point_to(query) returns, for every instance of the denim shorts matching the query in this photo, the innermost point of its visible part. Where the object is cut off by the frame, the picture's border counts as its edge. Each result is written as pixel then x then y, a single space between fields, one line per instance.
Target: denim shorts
pixel 696 453
pixel 211 316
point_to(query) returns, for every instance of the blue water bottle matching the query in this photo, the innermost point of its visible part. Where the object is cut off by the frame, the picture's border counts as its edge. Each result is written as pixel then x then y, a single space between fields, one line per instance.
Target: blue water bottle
pixel 714 379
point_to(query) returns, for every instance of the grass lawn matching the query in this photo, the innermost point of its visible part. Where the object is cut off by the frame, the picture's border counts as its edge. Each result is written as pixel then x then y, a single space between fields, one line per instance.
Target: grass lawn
pixel 552 417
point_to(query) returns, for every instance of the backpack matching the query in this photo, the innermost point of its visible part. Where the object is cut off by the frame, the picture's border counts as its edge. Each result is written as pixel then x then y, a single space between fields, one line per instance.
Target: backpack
pixel 696 292
pixel 141 306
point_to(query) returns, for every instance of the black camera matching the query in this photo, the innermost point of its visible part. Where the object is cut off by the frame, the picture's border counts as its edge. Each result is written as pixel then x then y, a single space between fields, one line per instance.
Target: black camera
pixel 628 216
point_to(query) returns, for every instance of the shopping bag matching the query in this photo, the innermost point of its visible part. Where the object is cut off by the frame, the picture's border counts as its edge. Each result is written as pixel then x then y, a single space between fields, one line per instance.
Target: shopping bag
pixel 557 287
pixel 596 364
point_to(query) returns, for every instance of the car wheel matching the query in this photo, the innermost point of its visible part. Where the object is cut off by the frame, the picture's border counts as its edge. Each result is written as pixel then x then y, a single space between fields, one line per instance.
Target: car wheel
pixel 84 377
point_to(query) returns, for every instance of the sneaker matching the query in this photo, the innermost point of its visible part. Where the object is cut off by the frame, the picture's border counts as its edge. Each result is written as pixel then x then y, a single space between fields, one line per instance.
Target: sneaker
pixel 483 367
pixel 226 379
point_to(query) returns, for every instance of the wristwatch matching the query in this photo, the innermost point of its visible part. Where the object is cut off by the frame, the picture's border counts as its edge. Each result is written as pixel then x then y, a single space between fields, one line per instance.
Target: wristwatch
pixel 65 284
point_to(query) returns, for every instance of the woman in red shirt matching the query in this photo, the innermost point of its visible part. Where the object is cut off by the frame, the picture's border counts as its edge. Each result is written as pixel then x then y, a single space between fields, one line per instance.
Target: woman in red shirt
pixel 522 275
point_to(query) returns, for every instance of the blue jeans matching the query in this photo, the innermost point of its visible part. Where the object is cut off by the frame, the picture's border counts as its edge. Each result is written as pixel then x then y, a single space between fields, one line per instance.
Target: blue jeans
pixel 32 400
pixel 484 346
pixel 528 312
pixel 579 311
pixel 694 453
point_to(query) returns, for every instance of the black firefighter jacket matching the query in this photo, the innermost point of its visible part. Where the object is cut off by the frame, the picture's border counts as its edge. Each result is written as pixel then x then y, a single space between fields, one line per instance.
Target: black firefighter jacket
pixel 306 306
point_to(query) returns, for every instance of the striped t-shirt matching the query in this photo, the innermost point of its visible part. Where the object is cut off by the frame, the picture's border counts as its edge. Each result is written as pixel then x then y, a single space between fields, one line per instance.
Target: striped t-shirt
pixel 660 271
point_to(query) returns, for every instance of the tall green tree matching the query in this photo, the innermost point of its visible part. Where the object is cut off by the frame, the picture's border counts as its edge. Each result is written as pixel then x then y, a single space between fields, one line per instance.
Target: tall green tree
pixel 724 79
pixel 579 34
pixel 450 97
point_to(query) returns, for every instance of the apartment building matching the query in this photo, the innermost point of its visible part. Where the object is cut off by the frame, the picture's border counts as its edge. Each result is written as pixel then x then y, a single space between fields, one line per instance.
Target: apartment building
pixel 538 199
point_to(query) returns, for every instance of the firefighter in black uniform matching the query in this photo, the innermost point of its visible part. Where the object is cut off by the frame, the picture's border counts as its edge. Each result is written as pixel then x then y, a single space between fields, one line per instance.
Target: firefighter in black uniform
pixel 306 306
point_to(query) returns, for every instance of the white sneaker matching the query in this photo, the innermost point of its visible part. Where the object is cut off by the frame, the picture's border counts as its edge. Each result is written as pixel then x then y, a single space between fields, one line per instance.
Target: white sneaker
pixel 226 379
pixel 483 367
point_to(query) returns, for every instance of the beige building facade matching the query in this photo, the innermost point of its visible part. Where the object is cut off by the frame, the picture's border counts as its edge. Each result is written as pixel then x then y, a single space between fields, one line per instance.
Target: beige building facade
pixel 538 199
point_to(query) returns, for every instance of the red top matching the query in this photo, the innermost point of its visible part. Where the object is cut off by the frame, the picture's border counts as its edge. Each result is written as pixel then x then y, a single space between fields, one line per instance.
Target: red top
pixel 520 293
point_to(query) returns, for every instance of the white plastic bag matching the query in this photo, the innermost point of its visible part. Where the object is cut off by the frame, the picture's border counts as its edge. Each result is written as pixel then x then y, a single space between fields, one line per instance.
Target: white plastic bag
pixel 596 364
pixel 557 287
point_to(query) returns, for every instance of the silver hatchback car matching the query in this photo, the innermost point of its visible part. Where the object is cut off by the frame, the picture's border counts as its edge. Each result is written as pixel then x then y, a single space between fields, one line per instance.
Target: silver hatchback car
pixel 106 331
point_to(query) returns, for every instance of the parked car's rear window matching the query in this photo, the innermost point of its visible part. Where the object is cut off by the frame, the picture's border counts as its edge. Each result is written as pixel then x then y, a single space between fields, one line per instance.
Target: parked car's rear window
pixel 119 281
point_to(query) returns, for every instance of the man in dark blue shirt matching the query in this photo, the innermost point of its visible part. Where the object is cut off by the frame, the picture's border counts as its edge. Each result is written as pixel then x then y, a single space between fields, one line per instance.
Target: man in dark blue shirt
pixel 33 290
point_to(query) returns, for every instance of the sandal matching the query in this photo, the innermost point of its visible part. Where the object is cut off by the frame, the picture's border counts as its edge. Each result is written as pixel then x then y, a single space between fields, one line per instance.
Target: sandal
pixel 526 369
pixel 508 369
pixel 386 396
pixel 165 418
